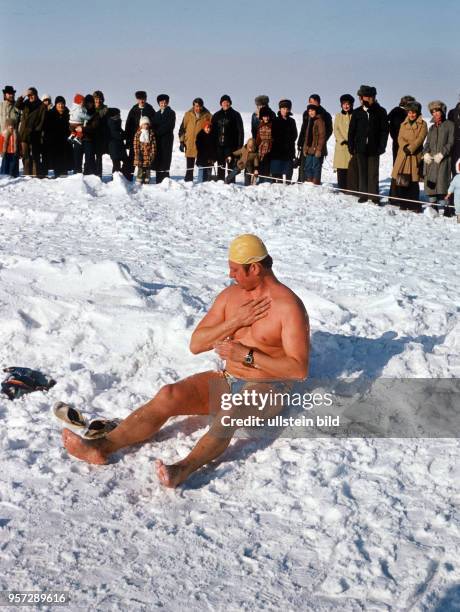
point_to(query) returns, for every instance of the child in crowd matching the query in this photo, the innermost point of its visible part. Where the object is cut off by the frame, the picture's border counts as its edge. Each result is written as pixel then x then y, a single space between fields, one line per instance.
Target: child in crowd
pixel 10 150
pixel 206 152
pixel 116 138
pixel 264 143
pixel 78 118
pixel 454 188
pixel 145 149
pixel 248 161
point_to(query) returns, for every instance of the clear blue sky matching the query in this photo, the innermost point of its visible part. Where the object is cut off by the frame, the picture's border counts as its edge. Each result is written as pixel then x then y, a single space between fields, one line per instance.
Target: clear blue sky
pixel 201 48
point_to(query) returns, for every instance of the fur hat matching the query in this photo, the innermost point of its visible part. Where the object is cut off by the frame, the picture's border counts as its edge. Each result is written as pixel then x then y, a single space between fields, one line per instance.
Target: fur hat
pixel 264 112
pixel 144 119
pixel 78 98
pixel 285 103
pixel 225 98
pixel 261 100
pixel 98 94
pixel 367 90
pixel 347 98
pixel 437 105
pixel 405 101
pixel 312 107
pixel 198 101
pixel 163 97
pixel 140 95
pixel 9 89
pixel 59 99
pixel 414 107
pixel 46 96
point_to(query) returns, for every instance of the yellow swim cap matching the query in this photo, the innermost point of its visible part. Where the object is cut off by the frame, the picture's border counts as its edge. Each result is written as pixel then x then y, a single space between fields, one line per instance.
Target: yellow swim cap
pixel 247 249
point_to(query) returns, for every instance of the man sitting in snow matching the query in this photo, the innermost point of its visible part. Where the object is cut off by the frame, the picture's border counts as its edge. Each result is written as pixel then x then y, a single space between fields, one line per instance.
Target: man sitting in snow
pixel 257 325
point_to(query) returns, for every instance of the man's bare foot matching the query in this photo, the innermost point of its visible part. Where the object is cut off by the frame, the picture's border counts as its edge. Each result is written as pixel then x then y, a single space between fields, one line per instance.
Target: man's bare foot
pixel 170 475
pixel 86 450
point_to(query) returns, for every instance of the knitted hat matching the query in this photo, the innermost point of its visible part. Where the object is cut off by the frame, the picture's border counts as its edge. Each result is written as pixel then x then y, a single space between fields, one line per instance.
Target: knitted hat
pixel 437 105
pixel 264 112
pixel 198 101
pixel 59 99
pixel 414 107
pixel 144 119
pixel 368 91
pixel 78 98
pixel 225 98
pixel 261 100
pixel 140 95
pixel 9 89
pixel 285 103
pixel 98 94
pixel 163 97
pixel 405 100
pixel 347 98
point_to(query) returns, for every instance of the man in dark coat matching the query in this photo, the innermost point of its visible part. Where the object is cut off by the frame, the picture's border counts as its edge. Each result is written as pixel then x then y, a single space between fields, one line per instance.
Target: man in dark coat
pixel 396 117
pixel 314 99
pixel 141 109
pixel 163 125
pixel 284 134
pixel 227 127
pixel 367 140
pixel 454 116
pixel 30 130
pixel 262 102
pixel 116 144
pixel 101 137
pixel 56 145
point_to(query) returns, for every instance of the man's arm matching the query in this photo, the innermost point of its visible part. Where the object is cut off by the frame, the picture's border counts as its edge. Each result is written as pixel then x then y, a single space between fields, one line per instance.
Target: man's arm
pixel 214 327
pixel 295 339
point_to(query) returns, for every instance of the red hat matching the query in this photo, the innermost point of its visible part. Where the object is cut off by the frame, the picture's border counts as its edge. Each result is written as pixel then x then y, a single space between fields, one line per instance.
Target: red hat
pixel 78 98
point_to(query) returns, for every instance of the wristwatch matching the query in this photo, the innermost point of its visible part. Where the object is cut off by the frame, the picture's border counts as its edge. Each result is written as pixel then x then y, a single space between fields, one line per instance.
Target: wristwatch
pixel 249 359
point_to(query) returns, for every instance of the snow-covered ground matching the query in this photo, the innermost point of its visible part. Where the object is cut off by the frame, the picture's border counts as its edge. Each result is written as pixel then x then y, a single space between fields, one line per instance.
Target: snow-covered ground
pixel 101 284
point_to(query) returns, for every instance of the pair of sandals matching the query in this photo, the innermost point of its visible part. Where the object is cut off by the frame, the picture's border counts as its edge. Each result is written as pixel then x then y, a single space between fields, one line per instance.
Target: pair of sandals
pixel 94 429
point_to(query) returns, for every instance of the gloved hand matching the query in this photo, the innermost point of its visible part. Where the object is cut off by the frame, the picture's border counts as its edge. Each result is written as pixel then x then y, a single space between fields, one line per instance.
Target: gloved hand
pixel 406 149
pixel 438 158
pixel 182 147
pixel 427 159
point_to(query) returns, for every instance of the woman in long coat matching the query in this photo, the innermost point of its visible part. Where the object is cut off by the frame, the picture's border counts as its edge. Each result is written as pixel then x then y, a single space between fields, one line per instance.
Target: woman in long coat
pixel 412 134
pixel 341 153
pixel 436 155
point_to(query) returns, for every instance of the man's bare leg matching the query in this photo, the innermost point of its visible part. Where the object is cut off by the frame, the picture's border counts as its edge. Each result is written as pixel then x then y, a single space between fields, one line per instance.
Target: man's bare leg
pixel 186 397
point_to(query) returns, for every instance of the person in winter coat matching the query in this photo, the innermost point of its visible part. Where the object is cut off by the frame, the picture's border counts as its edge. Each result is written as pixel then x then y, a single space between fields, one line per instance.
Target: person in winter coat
pixel 436 155
pixel 454 188
pixel 454 116
pixel 314 99
pixel 314 147
pixel 247 160
pixel 192 123
pixel 116 141
pixel 101 137
pixel 164 123
pixel 412 134
pixel 56 145
pixel 396 116
pixel 141 109
pixel 229 133
pixel 260 102
pixel 45 163
pixel 30 131
pixel 341 153
pixel 10 149
pixel 206 152
pixel 284 134
pixel 264 142
pixel 144 150
pixel 367 140
pixel 89 133
pixel 8 109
